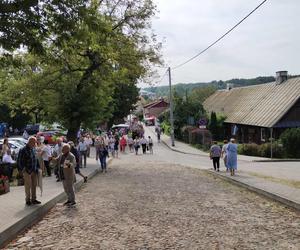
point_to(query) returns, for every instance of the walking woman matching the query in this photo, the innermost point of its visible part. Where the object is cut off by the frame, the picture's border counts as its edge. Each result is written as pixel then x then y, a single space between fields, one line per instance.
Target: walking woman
pixel 232 156
pixel 136 145
pixel 116 146
pixel 123 144
pixel 103 153
pixel 150 141
pixel 215 153
pixel 130 144
pixel 224 154
pixel 111 144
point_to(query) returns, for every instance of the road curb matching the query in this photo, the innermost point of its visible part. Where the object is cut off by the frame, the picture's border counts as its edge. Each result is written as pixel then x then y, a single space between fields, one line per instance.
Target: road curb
pixel 36 215
pixel 278 160
pixel 260 191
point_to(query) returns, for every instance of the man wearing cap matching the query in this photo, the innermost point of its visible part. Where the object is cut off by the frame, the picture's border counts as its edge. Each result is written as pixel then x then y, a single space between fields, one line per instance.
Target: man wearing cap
pixel 28 166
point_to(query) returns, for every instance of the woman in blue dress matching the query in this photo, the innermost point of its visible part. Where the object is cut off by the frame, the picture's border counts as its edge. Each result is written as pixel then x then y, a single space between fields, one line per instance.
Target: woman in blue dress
pixel 232 156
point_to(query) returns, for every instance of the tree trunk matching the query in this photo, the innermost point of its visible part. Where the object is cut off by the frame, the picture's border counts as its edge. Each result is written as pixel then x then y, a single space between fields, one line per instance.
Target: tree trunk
pixel 72 132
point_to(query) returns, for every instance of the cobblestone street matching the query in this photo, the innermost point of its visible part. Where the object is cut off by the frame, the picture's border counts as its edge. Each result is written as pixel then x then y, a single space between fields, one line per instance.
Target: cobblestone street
pixel 144 204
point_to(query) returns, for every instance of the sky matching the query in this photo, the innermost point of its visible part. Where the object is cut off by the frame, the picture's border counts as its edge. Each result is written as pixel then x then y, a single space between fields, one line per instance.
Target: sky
pixel 268 41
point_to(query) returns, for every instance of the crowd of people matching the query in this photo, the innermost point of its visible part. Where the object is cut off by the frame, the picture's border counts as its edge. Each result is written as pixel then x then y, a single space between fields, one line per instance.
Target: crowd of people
pixel 65 159
pixel 38 159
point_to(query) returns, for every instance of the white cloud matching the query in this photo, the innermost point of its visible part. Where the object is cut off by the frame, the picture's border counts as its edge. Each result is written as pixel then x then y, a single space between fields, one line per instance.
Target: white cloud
pixel 267 41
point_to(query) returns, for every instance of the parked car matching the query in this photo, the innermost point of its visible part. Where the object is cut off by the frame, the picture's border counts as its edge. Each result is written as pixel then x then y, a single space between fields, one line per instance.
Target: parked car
pixel 19 140
pixel 14 147
pixel 50 136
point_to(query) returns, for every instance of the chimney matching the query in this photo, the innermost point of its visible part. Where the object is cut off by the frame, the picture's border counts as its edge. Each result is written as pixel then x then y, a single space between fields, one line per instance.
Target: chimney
pixel 281 76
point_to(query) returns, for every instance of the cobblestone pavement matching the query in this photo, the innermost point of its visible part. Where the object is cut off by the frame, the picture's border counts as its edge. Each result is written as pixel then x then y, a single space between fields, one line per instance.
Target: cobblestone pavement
pixel 139 204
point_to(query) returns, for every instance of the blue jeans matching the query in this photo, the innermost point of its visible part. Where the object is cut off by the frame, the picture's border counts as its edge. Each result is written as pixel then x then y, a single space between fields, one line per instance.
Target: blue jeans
pixel 103 162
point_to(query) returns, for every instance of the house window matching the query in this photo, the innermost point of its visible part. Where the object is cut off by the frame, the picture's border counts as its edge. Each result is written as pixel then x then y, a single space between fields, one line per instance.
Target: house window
pixel 263 134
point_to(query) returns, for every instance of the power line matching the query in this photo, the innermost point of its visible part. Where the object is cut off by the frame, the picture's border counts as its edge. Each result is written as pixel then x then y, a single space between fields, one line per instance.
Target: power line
pixel 219 39
pixel 162 77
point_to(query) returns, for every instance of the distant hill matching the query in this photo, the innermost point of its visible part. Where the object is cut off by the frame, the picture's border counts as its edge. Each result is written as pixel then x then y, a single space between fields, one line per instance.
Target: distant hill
pixel 183 88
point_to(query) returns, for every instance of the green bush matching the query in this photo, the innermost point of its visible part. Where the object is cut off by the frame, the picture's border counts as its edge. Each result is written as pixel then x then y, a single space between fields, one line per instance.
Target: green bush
pixel 248 149
pixel 166 127
pixel 263 150
pixel 291 142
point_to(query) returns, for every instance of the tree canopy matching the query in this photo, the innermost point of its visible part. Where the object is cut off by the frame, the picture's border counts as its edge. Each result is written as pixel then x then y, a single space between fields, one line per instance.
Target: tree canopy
pixel 88 55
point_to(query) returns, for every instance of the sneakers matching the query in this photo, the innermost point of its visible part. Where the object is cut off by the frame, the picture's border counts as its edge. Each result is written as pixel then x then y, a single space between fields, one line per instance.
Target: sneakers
pixel 72 203
pixel 85 179
pixel 28 203
pixel 36 202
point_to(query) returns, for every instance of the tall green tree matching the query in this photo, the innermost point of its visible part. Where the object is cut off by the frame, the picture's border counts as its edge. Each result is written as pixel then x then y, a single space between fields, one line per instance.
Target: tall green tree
pixel 185 109
pixel 74 80
pixel 213 124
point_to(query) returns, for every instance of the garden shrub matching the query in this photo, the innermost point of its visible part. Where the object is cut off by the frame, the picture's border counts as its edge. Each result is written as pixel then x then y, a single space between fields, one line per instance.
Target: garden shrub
pixel 263 150
pixel 291 142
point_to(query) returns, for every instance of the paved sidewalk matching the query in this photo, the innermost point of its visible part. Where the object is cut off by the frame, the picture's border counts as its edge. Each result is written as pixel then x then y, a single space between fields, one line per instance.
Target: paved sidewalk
pixel 184 148
pixel 287 195
pixel 15 216
pixel 277 180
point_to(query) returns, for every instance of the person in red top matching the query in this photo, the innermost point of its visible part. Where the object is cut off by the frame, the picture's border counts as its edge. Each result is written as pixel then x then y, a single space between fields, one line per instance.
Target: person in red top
pixel 123 144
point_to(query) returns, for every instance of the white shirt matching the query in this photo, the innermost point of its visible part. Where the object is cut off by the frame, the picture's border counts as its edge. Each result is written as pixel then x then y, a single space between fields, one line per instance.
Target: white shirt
pixel 143 141
pixel 57 149
pixel 130 141
pixel 88 141
pixel 46 152
pixel 7 159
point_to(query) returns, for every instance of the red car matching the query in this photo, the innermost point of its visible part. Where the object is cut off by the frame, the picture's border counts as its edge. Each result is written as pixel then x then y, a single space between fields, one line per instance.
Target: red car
pixel 50 136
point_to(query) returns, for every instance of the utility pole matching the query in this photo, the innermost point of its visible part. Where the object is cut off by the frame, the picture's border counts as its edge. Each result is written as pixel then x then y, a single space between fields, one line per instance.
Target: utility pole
pixel 171 109
pixel 271 142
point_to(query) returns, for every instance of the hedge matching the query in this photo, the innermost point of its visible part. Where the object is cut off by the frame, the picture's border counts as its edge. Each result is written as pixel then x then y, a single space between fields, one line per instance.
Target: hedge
pixel 291 142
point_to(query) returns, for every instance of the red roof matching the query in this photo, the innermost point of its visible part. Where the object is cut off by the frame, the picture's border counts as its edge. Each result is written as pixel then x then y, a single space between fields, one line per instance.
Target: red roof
pixel 155 103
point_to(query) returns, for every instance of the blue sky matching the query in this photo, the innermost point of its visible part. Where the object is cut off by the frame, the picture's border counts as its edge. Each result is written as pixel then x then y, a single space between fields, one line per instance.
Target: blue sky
pixel 266 42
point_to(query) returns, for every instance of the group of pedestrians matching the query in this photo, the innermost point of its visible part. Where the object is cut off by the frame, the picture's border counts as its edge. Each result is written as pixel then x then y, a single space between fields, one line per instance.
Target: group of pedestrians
pixel 229 154
pixel 36 158
pixel 134 144
pixel 144 143
pixel 67 158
